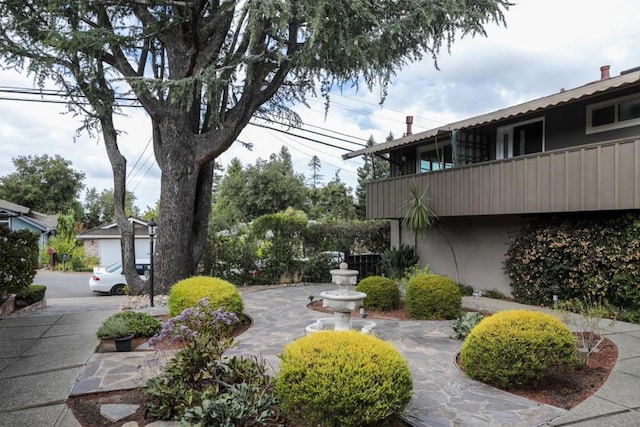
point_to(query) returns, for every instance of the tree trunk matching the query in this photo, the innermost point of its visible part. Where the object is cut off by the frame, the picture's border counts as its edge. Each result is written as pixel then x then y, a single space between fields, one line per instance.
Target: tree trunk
pixel 126 228
pixel 185 206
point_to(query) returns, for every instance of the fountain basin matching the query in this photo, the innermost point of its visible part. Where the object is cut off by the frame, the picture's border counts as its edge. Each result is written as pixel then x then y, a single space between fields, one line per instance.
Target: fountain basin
pixel 329 324
pixel 342 300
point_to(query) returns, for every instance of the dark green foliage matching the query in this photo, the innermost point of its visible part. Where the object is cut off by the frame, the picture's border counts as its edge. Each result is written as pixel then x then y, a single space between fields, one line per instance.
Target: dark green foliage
pixel 44 184
pixel 382 293
pixel 433 297
pixel 250 400
pixel 137 323
pixel 464 324
pixel 31 295
pixel 395 261
pixel 18 259
pixel 465 290
pixel 516 347
pixel 493 293
pixel 594 256
pixel 373 236
pixel 318 268
pixel 282 234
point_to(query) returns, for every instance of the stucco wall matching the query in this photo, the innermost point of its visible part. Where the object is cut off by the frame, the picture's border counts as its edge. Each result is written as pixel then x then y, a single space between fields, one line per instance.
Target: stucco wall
pixel 468 250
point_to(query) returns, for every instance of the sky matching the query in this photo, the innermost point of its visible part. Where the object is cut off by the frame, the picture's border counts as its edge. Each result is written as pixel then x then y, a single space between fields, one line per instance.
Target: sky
pixel 547 45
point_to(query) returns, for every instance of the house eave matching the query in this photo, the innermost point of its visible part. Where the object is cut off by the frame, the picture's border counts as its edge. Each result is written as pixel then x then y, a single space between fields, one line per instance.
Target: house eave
pixel 563 97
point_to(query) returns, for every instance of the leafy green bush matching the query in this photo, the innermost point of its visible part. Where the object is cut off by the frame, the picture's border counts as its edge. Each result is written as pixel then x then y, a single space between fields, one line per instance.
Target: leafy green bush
pixel 382 293
pixel 18 259
pixel 465 290
pixel 137 323
pixel 31 295
pixel 516 347
pixel 186 293
pixel 433 297
pixel 250 400
pixel 370 235
pixel 595 256
pixel 493 294
pixel 464 324
pixel 395 261
pixel 343 378
pixel 318 268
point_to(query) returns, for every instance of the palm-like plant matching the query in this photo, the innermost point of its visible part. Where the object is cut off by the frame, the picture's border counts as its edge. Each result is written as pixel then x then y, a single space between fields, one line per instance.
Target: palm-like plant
pixel 419 217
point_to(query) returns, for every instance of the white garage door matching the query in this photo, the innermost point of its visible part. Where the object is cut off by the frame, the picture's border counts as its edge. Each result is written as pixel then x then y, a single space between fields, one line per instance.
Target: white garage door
pixel 110 250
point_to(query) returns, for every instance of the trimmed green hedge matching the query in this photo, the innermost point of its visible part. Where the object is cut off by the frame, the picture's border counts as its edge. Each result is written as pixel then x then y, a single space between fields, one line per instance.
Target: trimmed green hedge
pixel 335 378
pixel 186 294
pixel 516 347
pixel 433 297
pixel 382 293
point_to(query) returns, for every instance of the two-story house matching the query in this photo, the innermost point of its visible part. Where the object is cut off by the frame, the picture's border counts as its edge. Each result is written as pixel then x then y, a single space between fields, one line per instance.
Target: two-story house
pixel 576 150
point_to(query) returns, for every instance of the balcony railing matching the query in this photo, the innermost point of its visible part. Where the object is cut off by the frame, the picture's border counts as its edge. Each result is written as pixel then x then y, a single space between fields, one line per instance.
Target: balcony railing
pixel 593 177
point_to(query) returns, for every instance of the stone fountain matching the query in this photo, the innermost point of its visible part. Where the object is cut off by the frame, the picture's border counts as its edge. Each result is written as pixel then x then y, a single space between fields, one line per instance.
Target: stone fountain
pixel 342 301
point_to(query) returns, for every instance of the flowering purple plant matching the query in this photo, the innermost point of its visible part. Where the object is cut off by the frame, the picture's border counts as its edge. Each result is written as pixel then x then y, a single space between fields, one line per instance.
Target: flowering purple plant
pixel 201 321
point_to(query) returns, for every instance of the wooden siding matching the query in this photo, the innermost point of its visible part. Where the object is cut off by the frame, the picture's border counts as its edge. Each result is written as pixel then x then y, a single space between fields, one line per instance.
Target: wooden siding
pixel 588 178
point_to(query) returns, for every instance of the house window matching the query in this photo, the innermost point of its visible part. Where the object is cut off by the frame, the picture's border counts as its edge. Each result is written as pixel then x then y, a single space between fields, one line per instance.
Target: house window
pixel 520 139
pixel 5 222
pixel 613 114
pixel 435 159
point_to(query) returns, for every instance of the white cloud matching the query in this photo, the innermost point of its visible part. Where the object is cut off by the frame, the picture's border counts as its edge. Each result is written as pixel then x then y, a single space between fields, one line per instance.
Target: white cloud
pixel 547 45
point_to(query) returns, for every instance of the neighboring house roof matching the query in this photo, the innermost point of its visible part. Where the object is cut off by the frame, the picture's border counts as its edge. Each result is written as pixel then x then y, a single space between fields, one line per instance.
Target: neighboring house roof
pixel 39 220
pixel 111 231
pixel 563 97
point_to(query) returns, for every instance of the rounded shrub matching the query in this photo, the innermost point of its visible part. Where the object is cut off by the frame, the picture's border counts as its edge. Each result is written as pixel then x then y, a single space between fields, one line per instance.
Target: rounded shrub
pixel 432 297
pixel 516 347
pixel 343 378
pixel 135 322
pixel 222 294
pixel 382 293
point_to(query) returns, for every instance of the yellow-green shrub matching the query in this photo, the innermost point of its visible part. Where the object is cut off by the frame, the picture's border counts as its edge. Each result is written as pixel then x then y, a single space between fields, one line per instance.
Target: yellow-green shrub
pixel 382 293
pixel 432 297
pixel 186 293
pixel 516 347
pixel 343 378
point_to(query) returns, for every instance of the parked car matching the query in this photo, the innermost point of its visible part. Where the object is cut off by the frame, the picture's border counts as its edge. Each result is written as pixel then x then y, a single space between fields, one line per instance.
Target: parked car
pixel 335 257
pixel 111 279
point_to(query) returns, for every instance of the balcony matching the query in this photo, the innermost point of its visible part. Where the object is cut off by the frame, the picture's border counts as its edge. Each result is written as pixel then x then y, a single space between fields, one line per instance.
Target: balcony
pixel 595 177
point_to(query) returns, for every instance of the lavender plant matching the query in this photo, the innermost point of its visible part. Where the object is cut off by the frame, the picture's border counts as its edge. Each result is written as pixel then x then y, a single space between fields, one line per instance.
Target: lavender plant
pixel 205 331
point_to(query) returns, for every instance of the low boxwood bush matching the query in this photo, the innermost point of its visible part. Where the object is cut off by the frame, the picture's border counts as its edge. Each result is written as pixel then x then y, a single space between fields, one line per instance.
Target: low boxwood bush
pixel 337 378
pixel 222 294
pixel 433 297
pixel 516 347
pixel 137 323
pixel 382 293
pixel 31 295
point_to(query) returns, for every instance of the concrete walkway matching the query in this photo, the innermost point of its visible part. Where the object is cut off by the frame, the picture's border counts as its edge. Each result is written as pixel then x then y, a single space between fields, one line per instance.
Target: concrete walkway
pixel 41 355
pixel 48 355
